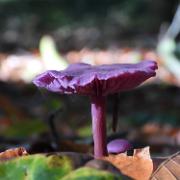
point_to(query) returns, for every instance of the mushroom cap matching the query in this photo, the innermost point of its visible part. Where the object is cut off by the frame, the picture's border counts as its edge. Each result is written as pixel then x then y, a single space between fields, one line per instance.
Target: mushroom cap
pixel 101 80
pixel 118 146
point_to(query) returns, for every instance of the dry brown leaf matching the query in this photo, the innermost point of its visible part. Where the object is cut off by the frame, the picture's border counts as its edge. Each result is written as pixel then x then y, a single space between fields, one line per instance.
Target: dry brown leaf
pixel 12 153
pixel 169 169
pixel 139 166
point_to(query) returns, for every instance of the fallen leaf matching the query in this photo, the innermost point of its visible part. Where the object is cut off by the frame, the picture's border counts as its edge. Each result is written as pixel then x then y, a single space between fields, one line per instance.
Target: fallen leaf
pixel 139 166
pixel 12 153
pixel 169 169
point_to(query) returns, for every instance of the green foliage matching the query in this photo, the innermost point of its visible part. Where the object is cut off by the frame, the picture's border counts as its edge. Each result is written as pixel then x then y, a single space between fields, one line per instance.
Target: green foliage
pixel 35 167
pixel 24 128
pixel 86 173
pixel 85 131
pixel 53 167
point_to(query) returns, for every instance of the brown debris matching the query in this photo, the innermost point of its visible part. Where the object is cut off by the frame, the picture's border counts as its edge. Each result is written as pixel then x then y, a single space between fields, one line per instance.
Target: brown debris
pixel 13 153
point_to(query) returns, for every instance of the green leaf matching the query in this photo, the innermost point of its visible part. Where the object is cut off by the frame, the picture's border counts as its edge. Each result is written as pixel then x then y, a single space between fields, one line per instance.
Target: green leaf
pixel 52 167
pixel 36 167
pixel 86 173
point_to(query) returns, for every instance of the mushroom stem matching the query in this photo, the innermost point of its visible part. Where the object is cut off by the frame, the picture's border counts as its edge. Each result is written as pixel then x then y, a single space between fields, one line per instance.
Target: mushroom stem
pixel 98 107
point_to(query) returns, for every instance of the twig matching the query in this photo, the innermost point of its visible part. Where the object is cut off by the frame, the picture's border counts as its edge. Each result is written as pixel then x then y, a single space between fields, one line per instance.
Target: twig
pixel 52 127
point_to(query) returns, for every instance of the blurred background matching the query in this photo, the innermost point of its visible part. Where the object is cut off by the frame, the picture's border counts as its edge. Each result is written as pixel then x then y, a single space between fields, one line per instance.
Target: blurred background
pixel 37 35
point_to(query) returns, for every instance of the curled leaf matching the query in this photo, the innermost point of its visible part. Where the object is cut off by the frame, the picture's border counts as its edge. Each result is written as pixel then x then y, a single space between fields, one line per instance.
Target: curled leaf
pixel 139 166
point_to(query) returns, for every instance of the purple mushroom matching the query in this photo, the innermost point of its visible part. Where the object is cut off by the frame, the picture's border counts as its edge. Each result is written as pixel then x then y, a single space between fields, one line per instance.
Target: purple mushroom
pixel 118 146
pixel 97 82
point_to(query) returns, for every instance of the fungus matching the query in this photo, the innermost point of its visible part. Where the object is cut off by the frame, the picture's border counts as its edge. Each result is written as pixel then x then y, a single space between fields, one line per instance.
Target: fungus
pixel 96 82
pixel 118 146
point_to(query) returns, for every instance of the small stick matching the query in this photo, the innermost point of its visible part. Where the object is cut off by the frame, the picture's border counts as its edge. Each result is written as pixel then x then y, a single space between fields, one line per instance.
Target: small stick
pixel 52 127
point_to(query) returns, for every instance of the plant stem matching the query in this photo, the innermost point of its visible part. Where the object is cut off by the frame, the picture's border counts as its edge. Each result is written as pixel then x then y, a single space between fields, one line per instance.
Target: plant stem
pixel 98 108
